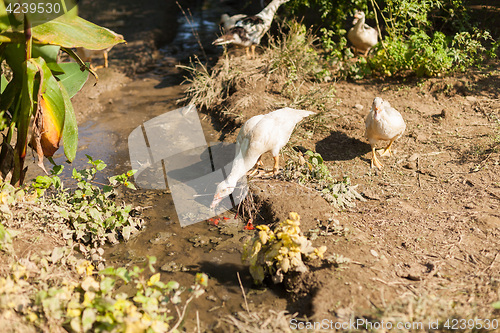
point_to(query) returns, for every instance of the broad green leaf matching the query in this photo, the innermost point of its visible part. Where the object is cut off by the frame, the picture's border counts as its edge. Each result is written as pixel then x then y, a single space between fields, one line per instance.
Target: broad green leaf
pixel 11 37
pixel 3 83
pixel 22 116
pixel 108 270
pixel 51 103
pixel 107 285
pixel 51 93
pixel 70 129
pixel 48 52
pixel 14 56
pixel 153 279
pixel 75 32
pixel 55 68
pixel 4 20
pixel 73 77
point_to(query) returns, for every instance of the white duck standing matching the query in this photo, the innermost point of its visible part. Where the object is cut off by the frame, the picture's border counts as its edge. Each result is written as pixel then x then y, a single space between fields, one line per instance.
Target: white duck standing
pixel 247 31
pixel 259 135
pixel 362 36
pixel 383 123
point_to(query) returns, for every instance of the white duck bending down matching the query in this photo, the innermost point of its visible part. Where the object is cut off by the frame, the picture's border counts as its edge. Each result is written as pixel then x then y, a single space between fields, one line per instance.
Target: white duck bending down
pixel 362 36
pixel 248 30
pixel 260 134
pixel 383 123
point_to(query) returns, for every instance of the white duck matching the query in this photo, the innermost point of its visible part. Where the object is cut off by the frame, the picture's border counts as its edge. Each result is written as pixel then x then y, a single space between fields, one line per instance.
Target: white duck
pixel 383 123
pixel 260 134
pixel 362 36
pixel 248 30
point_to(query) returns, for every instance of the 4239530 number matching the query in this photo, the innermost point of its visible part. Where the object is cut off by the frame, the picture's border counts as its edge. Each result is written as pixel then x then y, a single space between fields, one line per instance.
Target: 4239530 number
pixel 39 8
pixel 462 324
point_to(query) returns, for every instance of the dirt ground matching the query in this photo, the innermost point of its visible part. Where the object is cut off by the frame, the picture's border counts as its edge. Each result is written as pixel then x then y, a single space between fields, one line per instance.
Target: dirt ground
pixel 426 243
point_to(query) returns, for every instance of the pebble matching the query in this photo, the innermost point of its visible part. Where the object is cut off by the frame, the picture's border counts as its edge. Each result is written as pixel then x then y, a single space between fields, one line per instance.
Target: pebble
pixel 471 99
pixel 413 157
pixel 374 253
pixel 371 195
pixel 410 165
pixel 359 107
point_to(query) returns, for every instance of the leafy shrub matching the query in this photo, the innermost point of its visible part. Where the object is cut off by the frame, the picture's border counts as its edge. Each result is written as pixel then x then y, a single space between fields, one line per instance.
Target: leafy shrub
pixel 279 251
pixel 427 38
pixel 40 292
pixel 36 89
pixel 89 210
pixel 313 172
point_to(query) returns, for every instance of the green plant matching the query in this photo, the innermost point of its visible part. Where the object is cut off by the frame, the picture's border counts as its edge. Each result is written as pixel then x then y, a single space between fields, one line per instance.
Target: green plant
pixel 39 90
pixel 95 306
pixel 89 301
pixel 310 169
pixel 88 209
pixel 279 251
pixel 294 55
pixel 426 38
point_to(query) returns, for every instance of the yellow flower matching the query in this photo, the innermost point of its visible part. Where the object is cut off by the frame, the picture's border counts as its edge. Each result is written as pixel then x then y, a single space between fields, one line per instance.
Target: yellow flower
pixel 155 278
pixel 263 236
pixel 31 316
pixel 89 269
pixel 294 216
pixel 146 319
pixel 320 251
pixel 88 297
pixel 72 312
pixel 263 228
pixel 285 265
pixel 85 267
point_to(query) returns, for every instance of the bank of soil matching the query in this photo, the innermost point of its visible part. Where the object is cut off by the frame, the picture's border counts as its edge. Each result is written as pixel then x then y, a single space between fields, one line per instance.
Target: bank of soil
pixel 425 244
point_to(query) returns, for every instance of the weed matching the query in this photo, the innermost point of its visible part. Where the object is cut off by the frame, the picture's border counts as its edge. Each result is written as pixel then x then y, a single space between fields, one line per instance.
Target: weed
pixel 210 88
pixel 85 214
pixel 44 296
pixel 88 210
pixel 279 251
pixel 313 172
pixel 294 56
